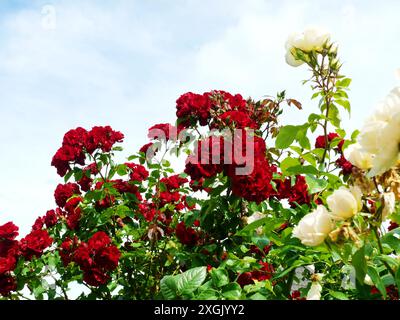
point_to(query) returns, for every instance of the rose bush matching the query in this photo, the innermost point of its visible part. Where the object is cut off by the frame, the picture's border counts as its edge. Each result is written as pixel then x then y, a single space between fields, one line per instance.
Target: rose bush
pixel 261 211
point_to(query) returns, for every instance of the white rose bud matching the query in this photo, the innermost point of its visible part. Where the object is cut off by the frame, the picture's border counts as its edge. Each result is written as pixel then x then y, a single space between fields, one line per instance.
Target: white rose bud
pixel 314 227
pixel 359 157
pixel 368 280
pixel 315 291
pixel 345 203
pixel 389 204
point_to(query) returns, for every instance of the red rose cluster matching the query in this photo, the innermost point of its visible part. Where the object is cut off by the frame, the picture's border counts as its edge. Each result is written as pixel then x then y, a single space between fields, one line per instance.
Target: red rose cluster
pixel 264 273
pixel 95 258
pixel 10 250
pixel 219 109
pixel 218 154
pixel 296 193
pixel 78 141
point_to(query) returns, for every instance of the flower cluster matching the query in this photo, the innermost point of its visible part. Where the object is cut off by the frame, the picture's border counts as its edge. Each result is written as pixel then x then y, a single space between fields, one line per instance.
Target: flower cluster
pixel 95 258
pixel 314 227
pixel 78 141
pixel 33 245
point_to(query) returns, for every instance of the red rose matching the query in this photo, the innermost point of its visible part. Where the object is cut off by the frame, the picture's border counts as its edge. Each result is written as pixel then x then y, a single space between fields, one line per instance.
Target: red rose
pixel 96 258
pixel 345 165
pixel 8 231
pixel 185 235
pixel 7 264
pixel 99 240
pixel 137 172
pixel 238 119
pixel 50 219
pixel 108 257
pixel 35 243
pixel 102 138
pixel 393 225
pixel 192 107
pixel 147 210
pixel 67 250
pixel 39 223
pixel 83 256
pixel 65 191
pixel 173 182
pixel 7 284
pixel 245 279
pixel 95 277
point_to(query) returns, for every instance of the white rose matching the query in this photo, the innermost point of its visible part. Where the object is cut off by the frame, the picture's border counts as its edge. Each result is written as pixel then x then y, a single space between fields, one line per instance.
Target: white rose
pixel 315 291
pixel 389 204
pixel 370 137
pixel 345 203
pixel 359 157
pixel 291 60
pixel 314 227
pixel 381 134
pixel 312 39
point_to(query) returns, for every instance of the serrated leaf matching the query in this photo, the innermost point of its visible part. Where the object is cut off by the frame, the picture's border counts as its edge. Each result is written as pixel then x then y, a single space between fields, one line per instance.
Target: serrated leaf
pixel 190 280
pixel 168 287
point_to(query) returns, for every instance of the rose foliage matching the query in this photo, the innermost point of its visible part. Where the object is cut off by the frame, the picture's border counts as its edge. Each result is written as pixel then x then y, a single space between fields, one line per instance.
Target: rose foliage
pixel 262 209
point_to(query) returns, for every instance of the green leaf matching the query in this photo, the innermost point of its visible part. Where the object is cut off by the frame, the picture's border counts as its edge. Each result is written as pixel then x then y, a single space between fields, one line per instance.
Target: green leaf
pixel 219 277
pixel 302 170
pixel 288 163
pixel 68 175
pixel 360 264
pixel 343 83
pixel 314 184
pixel 122 170
pixel 208 294
pixel 302 138
pixel 338 295
pixel 333 116
pixel 252 226
pixel 376 279
pixel 345 104
pixel 168 287
pixel 392 239
pixel 232 291
pixel 286 136
pixel 190 280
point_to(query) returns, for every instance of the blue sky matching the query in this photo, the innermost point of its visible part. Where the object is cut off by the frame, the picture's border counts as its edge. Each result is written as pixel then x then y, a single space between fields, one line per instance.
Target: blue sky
pixel 124 63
